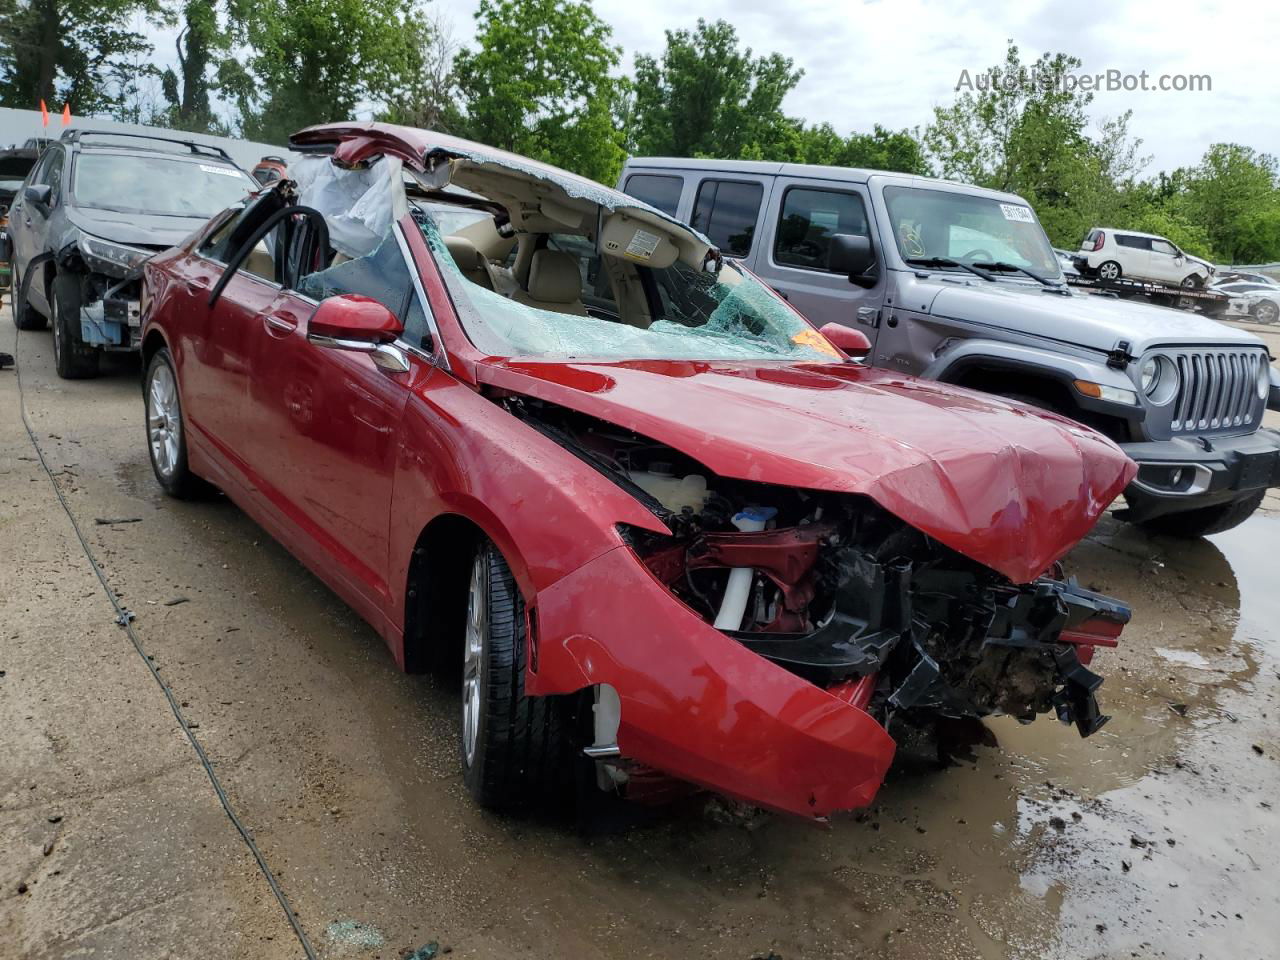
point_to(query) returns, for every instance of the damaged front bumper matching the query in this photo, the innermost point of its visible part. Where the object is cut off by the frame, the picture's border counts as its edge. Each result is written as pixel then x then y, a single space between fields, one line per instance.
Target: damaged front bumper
pixel 112 322
pixel 795 725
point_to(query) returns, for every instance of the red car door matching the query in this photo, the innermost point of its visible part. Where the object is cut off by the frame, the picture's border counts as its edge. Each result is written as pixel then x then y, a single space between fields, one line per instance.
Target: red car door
pixel 323 425
pixel 213 342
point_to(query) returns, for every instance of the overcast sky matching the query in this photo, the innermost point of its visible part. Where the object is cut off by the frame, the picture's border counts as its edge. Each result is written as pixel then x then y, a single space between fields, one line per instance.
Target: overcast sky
pixel 891 62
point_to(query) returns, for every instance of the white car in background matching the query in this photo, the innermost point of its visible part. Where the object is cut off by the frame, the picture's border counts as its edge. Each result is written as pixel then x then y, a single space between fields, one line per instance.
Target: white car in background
pixel 1259 300
pixel 1110 254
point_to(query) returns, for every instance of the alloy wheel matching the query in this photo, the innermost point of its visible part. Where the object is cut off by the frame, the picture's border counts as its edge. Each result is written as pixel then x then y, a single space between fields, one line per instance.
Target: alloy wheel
pixel 1266 312
pixel 473 657
pixel 1108 271
pixel 164 419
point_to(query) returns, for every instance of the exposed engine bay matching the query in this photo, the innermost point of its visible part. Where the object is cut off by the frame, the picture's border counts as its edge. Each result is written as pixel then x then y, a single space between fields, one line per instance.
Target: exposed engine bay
pixel 837 590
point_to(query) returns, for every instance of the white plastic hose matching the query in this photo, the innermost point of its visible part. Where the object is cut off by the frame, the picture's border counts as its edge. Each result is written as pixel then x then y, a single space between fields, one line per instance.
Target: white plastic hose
pixel 738 590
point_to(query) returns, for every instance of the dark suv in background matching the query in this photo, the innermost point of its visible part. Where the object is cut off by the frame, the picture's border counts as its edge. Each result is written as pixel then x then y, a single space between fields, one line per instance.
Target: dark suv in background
pixel 90 212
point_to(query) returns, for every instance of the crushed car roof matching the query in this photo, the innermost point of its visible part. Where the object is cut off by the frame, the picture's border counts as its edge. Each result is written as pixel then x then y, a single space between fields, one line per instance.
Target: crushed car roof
pixel 427 151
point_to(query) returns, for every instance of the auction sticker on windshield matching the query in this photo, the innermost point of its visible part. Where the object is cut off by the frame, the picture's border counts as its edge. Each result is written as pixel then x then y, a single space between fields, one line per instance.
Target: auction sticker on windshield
pixel 224 171
pixel 1014 211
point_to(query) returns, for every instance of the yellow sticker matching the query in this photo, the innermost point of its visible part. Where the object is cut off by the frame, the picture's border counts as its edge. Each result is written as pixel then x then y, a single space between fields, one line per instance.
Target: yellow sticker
pixel 808 337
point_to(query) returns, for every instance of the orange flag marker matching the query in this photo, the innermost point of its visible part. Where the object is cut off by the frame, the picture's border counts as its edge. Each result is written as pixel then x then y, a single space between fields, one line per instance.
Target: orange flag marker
pixel 44 114
pixel 66 114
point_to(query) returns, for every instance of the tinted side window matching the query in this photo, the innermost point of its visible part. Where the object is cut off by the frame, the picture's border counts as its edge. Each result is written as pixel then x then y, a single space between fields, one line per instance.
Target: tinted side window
pixel 1135 243
pixel 660 192
pixel 726 212
pixel 809 219
pixel 53 177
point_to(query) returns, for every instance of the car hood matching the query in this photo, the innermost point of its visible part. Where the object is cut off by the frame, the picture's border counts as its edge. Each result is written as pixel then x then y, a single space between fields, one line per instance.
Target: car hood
pixel 1008 486
pixel 1085 319
pixel 134 229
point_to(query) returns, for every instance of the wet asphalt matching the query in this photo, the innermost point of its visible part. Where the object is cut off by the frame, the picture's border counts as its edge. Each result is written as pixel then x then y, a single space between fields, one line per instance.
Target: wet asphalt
pixel 1155 838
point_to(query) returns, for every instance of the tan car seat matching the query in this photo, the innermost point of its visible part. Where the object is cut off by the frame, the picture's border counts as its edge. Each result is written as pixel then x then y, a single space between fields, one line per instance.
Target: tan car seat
pixel 260 263
pixel 555 283
pixel 469 260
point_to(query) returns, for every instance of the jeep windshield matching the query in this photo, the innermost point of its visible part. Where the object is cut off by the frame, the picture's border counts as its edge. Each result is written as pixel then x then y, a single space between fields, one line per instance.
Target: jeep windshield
pixel 944 225
pixel 554 295
pixel 157 186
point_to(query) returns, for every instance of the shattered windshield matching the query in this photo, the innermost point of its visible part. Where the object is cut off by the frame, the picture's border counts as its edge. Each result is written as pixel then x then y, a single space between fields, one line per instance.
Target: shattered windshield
pixel 157 186
pixel 929 224
pixel 563 299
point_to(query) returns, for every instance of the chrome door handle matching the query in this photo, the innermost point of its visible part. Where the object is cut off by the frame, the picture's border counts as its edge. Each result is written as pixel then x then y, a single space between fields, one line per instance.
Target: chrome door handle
pixel 279 324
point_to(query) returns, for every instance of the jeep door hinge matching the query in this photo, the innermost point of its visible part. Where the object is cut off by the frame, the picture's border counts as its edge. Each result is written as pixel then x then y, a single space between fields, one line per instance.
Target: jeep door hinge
pixel 869 316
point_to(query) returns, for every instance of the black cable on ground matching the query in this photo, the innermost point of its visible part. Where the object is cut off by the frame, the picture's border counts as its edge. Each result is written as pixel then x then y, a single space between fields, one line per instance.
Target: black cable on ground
pixel 124 618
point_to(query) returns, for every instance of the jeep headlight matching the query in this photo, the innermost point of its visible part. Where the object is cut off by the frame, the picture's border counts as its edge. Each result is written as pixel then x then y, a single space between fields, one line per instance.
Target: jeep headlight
pixel 112 254
pixel 1149 374
pixel 1264 380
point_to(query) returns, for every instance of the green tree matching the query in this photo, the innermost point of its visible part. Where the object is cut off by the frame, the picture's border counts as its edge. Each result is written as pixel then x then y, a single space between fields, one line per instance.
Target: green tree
pixel 540 82
pixel 316 61
pixel 708 98
pixel 201 45
pixel 429 99
pixel 1023 128
pixel 1234 194
pixel 70 51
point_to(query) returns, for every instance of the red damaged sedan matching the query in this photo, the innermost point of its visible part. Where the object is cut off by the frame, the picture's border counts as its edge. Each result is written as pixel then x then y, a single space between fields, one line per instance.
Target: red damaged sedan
pixel 670 531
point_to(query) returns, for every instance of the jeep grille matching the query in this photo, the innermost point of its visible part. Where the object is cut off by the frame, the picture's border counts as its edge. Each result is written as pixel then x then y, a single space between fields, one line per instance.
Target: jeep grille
pixel 1217 390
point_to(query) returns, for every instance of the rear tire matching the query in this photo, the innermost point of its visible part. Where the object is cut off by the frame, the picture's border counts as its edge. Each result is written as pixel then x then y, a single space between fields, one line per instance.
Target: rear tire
pixel 74 359
pixel 1205 521
pixel 514 748
pixel 1109 270
pixel 24 317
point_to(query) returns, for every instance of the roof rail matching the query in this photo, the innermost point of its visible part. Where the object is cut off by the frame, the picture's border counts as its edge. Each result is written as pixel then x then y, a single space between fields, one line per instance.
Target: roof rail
pixel 76 136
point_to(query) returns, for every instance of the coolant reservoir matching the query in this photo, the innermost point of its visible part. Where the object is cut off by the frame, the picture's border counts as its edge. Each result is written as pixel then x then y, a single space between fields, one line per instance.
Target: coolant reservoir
pixel 674 493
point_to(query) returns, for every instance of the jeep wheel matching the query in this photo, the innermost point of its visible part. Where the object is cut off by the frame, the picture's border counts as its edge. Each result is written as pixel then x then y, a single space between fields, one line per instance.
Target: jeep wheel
pixel 513 746
pixel 1266 311
pixel 1205 521
pixel 74 359
pixel 24 317
pixel 1110 270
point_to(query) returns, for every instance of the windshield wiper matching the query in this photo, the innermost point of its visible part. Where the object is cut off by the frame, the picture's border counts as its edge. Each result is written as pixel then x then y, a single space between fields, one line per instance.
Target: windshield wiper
pixel 946 262
pixel 1014 268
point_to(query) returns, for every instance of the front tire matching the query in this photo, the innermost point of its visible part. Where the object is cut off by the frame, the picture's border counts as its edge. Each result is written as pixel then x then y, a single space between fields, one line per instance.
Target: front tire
pixel 24 317
pixel 1109 270
pixel 1192 281
pixel 1205 521
pixel 73 358
pixel 513 747
pixel 167 430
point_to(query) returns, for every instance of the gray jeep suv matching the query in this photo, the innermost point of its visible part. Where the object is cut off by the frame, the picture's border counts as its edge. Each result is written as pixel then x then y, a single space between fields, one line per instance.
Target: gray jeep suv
pixel 93 208
pixel 960 284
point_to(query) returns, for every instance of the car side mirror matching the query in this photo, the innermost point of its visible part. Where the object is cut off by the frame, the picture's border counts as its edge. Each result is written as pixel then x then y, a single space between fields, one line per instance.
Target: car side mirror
pixel 361 325
pixel 852 255
pixel 38 193
pixel 850 341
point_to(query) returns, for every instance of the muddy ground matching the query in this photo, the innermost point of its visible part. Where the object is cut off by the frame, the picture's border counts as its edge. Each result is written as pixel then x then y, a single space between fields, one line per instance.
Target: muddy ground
pixel 1155 838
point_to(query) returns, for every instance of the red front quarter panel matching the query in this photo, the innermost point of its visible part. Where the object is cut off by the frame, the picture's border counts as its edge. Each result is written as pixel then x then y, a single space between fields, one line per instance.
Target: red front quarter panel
pixel 698 705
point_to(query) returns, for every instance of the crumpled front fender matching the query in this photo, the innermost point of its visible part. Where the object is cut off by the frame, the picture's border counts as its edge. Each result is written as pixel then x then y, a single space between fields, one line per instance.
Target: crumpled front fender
pixel 696 704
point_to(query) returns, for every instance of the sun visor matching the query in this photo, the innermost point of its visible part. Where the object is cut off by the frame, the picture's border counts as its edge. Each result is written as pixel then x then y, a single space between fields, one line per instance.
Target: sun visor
pixel 637 241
